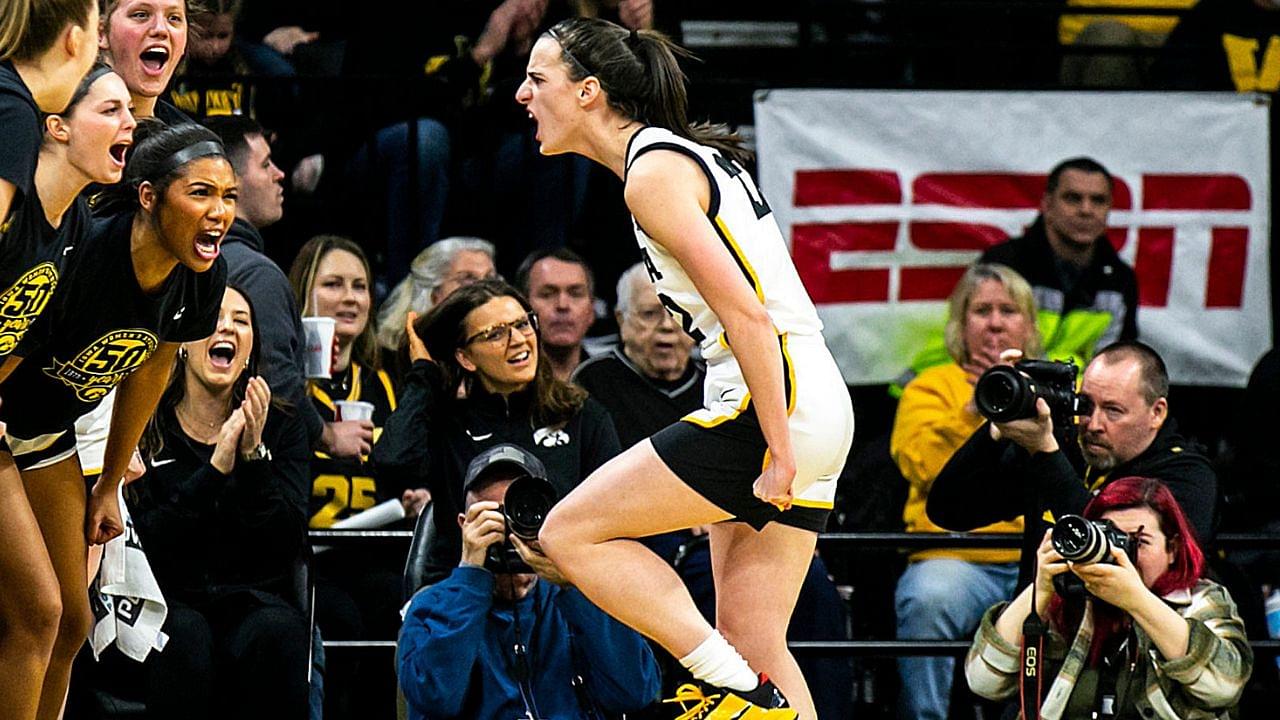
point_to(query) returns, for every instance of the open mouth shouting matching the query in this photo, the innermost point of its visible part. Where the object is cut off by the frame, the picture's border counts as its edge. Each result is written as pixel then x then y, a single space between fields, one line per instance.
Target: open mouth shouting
pixel 207 244
pixel 154 59
pixel 118 152
pixel 519 359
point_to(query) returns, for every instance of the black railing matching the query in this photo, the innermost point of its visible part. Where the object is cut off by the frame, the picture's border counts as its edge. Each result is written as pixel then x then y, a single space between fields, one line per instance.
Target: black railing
pixel 843 648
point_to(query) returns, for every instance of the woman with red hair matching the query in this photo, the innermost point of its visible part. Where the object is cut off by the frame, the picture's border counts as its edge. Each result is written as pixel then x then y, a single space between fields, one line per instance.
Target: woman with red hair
pixel 1152 637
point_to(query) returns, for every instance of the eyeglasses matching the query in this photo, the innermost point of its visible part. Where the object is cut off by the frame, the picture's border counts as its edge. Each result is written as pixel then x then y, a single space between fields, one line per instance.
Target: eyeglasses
pixel 651 317
pixel 501 333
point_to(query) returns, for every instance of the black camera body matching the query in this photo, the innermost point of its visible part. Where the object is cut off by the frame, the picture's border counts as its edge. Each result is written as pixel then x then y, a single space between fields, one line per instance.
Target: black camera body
pixel 1008 392
pixel 1083 541
pixel 528 501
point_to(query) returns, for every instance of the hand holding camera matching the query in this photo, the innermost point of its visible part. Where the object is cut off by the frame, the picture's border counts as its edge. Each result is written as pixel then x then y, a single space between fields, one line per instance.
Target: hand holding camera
pixel 1101 558
pixel 532 555
pixel 482 527
pixel 1049 566
pixel 1034 403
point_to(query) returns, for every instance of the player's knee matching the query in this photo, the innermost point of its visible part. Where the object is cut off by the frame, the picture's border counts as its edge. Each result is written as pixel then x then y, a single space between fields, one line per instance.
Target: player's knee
pixel 74 623
pixel 557 533
pixel 34 625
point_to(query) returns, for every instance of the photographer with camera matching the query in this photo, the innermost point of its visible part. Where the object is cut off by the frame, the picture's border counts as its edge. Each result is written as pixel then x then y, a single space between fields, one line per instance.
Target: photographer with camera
pixel 1026 466
pixel 1149 637
pixel 944 591
pixel 493 640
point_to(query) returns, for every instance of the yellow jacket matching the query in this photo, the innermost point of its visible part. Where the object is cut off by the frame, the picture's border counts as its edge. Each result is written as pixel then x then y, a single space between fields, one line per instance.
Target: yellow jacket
pixel 932 422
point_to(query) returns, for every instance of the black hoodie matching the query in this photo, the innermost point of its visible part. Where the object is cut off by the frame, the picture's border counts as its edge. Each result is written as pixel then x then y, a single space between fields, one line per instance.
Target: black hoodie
pixel 430 439
pixel 279 322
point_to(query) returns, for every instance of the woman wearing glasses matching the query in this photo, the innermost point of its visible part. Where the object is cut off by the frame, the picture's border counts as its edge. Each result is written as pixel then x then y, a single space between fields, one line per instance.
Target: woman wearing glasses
pixel 479 379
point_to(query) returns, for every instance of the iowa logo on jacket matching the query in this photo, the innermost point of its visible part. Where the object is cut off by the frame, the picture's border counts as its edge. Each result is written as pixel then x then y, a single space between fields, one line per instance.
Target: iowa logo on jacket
pixel 550 437
pixel 22 303
pixel 106 362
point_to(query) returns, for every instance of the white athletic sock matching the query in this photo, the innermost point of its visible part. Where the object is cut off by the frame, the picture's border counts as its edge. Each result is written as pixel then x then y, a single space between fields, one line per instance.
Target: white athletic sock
pixel 716 662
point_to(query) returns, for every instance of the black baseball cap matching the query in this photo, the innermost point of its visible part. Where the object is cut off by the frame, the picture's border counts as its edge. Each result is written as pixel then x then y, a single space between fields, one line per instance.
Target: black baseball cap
pixel 504 455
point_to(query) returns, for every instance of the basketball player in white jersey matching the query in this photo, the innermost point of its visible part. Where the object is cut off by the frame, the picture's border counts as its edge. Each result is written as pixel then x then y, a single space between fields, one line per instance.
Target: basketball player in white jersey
pixel 765 452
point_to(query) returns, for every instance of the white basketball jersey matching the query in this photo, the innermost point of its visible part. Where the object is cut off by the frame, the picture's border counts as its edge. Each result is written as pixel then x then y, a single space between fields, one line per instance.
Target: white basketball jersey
pixel 745 224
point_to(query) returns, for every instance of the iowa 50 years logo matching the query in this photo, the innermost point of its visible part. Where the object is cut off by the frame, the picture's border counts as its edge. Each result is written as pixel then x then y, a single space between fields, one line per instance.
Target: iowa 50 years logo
pixel 106 362
pixel 22 303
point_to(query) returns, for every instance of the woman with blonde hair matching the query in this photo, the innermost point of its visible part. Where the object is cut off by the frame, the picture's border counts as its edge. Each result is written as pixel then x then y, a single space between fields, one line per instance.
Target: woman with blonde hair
pixel 943 592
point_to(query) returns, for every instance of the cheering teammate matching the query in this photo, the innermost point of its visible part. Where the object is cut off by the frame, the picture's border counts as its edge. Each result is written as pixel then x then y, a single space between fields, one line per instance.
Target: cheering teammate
pixel 145 280
pixel 766 450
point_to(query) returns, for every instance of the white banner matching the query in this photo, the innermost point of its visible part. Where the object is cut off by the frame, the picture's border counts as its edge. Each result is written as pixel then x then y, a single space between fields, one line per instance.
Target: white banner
pixel 886 196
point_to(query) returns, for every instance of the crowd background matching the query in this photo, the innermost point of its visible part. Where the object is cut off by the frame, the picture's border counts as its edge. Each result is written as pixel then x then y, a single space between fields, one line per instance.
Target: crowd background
pixel 401 131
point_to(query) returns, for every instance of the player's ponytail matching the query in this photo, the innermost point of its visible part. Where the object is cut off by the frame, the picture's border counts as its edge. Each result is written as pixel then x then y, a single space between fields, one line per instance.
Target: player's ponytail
pixel 640 73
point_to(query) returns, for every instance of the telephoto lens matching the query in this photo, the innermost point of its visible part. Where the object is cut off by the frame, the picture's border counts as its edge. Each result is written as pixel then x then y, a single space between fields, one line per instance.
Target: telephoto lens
pixel 1003 393
pixel 1080 540
pixel 529 499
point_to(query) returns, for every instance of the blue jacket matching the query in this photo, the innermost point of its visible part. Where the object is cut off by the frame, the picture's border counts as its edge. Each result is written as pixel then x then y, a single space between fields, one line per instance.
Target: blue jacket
pixel 455 660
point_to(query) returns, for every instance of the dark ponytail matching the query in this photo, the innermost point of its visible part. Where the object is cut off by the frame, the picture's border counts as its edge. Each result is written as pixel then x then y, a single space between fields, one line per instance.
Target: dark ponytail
pixel 160 153
pixel 640 73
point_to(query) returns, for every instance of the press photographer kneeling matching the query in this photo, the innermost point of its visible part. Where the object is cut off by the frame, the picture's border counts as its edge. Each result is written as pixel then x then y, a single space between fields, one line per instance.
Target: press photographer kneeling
pixel 493 640
pixel 1035 456
pixel 1123 626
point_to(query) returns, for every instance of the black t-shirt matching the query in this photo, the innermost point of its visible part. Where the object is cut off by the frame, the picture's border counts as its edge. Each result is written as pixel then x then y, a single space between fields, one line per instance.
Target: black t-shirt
pixel 102 327
pixel 20 127
pixel 27 273
pixel 47 251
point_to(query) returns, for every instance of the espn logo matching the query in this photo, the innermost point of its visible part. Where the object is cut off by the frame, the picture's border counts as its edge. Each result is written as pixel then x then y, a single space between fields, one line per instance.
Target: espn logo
pixel 845 240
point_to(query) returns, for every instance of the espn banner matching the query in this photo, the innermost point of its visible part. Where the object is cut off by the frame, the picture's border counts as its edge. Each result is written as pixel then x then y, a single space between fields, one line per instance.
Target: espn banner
pixel 887 196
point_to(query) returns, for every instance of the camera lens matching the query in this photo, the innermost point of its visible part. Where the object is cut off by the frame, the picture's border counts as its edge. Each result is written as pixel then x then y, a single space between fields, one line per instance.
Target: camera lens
pixel 1003 394
pixel 1079 540
pixel 528 501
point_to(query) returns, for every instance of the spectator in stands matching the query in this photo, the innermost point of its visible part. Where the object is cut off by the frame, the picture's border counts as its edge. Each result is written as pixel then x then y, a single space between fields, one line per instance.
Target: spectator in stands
pixel 1150 637
pixel 561 289
pixel 1223 45
pixel 261 203
pixel 222 511
pixel 1087 295
pixel 1091 68
pixel 944 592
pixel 1252 496
pixel 484 340
pixel 213 81
pixel 436 272
pixel 144 41
pixel 1019 468
pixel 487 644
pixel 1066 257
pixel 357 591
pixel 651 381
